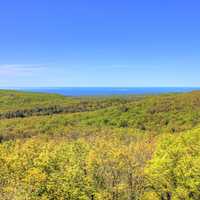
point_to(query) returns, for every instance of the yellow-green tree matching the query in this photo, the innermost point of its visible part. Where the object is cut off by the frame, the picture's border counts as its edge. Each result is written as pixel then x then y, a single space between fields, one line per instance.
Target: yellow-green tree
pixel 116 168
pixel 174 172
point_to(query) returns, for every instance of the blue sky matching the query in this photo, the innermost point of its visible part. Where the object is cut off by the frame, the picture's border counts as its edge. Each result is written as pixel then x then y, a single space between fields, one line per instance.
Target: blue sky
pixel 99 43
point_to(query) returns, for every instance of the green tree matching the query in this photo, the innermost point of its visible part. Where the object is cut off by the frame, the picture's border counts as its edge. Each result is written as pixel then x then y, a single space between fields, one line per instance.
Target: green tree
pixel 174 171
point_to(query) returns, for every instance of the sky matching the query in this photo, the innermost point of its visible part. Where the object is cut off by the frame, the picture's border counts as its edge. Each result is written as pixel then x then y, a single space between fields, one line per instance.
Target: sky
pixel 126 43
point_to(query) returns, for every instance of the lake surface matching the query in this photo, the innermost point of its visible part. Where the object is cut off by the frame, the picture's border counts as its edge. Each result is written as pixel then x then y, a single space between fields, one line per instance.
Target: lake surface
pixel 93 91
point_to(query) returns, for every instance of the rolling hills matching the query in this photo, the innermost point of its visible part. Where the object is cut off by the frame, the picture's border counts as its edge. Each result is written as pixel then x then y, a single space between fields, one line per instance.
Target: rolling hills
pixel 113 148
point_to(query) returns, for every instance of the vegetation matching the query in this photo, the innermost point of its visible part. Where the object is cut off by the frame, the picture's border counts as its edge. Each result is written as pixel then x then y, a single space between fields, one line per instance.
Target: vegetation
pixel 174 171
pixel 16 104
pixel 99 148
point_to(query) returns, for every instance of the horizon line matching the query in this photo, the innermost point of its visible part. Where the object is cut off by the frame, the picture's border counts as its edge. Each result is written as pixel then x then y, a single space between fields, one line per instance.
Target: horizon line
pixel 18 87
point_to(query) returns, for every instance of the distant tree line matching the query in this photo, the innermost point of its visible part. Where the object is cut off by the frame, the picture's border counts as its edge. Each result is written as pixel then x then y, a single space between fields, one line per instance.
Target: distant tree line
pixel 55 109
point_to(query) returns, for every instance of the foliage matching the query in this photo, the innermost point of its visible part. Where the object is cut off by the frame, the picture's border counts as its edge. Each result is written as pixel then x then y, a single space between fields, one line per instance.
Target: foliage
pixel 174 171
pixel 99 148
pixel 49 169
pixel 17 104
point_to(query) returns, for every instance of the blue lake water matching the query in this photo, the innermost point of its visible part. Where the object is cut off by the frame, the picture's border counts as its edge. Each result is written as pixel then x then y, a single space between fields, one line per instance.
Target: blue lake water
pixel 93 91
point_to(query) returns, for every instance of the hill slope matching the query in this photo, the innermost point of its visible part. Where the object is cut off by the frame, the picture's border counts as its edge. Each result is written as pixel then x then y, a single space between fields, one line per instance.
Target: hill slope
pixel 99 148
pixel 15 104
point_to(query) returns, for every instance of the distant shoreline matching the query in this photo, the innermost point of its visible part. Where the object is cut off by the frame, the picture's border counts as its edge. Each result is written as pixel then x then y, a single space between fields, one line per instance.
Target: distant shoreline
pixel 105 91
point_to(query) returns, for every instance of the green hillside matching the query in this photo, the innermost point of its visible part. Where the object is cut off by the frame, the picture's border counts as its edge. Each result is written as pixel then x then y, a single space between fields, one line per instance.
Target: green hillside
pixel 15 104
pixel 99 148
pixel 165 113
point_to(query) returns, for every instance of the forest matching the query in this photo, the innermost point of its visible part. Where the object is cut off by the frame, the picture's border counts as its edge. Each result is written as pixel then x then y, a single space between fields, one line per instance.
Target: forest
pixel 130 147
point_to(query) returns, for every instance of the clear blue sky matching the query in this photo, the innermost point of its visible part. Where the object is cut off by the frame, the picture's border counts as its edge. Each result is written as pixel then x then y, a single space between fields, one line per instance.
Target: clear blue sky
pixel 99 43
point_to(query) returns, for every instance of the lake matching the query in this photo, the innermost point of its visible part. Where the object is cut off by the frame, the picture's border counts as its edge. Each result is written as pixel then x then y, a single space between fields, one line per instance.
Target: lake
pixel 95 91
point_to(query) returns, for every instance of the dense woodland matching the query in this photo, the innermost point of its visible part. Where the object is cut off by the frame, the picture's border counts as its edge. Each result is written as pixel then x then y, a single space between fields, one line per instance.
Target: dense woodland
pixel 99 148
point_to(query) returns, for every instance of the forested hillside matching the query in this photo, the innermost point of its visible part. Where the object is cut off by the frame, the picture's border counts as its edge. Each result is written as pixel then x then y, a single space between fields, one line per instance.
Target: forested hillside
pixel 16 104
pixel 99 148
